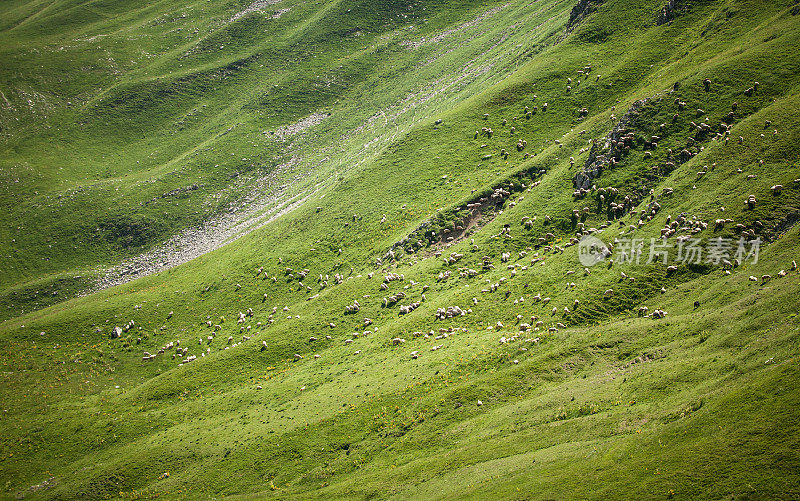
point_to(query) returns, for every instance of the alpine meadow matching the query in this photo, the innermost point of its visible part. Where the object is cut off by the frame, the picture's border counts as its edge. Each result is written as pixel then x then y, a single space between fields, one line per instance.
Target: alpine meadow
pixel 400 249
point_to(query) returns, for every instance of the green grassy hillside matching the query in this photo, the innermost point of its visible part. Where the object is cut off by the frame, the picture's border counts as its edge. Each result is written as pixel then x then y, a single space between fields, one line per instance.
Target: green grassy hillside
pixel 242 374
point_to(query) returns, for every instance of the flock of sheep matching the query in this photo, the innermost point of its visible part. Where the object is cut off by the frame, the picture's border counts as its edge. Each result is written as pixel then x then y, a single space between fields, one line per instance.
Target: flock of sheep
pixel 608 199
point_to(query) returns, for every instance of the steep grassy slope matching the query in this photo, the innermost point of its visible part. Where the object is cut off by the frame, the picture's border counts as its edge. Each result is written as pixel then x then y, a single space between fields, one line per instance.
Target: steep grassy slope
pixel 699 404
pixel 172 117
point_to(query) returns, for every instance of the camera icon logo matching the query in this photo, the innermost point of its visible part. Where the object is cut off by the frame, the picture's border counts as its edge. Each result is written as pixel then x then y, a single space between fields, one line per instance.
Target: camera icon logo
pixel 592 250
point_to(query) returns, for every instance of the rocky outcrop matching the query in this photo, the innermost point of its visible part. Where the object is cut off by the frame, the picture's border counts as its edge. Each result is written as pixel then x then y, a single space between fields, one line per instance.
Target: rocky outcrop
pixel 667 13
pixel 582 9
pixel 609 150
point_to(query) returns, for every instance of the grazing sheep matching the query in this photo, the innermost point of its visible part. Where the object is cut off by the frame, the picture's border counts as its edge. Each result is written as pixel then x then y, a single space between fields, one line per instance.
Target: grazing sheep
pixel 387 301
pixel 449 312
pixel 408 309
pixel 467 272
pixel 390 277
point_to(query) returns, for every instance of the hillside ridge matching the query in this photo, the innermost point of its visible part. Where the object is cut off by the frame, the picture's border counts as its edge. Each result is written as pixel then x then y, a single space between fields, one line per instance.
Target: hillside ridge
pixel 405 249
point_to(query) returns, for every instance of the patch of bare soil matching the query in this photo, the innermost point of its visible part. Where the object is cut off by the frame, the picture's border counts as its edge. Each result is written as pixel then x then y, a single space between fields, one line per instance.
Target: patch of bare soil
pixel 479 216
